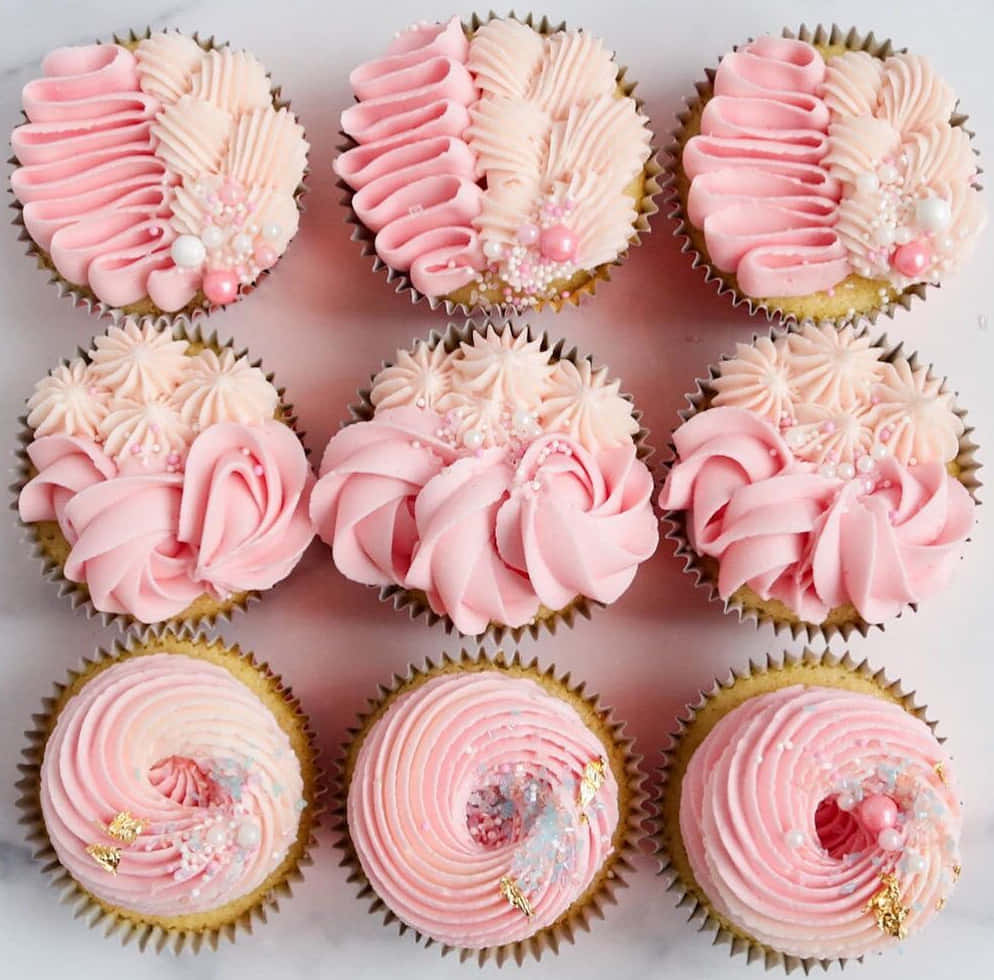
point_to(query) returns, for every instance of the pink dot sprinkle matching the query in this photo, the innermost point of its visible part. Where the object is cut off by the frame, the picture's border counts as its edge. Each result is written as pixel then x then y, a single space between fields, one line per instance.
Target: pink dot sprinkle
pixel 231 193
pixel 135 449
pixel 245 450
pixel 558 243
pixel 827 427
pixel 172 459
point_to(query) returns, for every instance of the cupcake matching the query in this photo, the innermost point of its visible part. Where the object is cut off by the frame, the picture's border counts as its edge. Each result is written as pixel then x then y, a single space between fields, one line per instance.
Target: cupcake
pixel 172 786
pixel 822 482
pixel 156 175
pixel 809 813
pixel 492 481
pixel 500 164
pixel 825 177
pixel 489 806
pixel 161 478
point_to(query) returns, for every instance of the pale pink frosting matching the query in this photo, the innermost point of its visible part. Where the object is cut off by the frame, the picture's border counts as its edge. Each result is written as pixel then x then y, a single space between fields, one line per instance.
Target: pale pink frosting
pixel 224 388
pixel 70 400
pixel 246 491
pixel 770 847
pixel 759 190
pixel 411 807
pixel 502 366
pixel 138 360
pixel 419 377
pixel 144 434
pixel 413 173
pixel 125 547
pixel 110 137
pixel 180 744
pixel 879 537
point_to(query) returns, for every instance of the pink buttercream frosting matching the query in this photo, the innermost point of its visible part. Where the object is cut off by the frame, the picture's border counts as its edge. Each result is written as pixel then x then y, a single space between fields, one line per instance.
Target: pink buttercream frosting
pixel 491 482
pixel 469 779
pixel 181 745
pixel 119 143
pixel 806 171
pixel 778 817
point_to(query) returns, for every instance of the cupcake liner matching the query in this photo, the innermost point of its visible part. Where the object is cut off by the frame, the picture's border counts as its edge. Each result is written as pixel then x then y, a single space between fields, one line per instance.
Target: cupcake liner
pixel 676 188
pixel 414 601
pixel 82 296
pixel 173 932
pixel 700 717
pixel 646 207
pixel 622 758
pixel 746 604
pixel 47 543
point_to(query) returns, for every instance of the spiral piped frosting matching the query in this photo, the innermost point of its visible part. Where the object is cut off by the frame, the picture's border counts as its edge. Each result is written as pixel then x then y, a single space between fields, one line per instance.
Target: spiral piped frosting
pixel 466 795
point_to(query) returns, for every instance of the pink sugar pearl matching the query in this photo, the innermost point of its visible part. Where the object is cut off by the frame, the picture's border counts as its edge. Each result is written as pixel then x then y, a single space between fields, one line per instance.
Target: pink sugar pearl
pixel 265 256
pixel 528 234
pixel 220 286
pixel 231 193
pixel 877 813
pixel 913 259
pixel 558 243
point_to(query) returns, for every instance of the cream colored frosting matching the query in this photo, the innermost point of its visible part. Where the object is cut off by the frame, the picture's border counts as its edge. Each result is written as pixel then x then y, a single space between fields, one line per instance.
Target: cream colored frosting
pixel 70 401
pixel 232 80
pixel 419 377
pixel 223 388
pixel 151 430
pixel 167 62
pixel 502 366
pixel 136 360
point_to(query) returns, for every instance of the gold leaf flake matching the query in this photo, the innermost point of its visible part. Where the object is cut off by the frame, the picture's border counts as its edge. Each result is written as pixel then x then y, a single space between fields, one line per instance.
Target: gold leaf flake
pixel 107 857
pixel 125 827
pixel 591 781
pixel 940 771
pixel 940 904
pixel 887 909
pixel 515 896
pixel 957 871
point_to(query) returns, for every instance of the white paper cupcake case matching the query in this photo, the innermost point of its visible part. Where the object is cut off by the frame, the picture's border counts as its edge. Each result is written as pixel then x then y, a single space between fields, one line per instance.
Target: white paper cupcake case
pixel 646 207
pixel 84 298
pixel 703 569
pixel 853 40
pixel 631 826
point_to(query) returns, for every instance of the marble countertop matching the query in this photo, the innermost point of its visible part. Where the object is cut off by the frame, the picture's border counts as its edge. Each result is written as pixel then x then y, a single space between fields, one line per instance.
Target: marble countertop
pixel 323 324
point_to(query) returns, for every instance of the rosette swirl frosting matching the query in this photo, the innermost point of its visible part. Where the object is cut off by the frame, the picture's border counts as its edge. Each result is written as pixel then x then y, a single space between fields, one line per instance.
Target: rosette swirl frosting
pixel 179 745
pixel 807 809
pixel 494 808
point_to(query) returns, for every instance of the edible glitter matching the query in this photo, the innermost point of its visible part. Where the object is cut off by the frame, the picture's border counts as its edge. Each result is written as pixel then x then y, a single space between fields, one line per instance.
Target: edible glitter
pixel 106 856
pixel 125 827
pixel 515 897
pixel 887 909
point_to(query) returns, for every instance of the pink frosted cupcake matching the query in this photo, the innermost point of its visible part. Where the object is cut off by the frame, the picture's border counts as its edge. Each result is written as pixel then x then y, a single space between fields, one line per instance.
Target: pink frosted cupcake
pixel 162 479
pixel 490 806
pixel 492 480
pixel 822 482
pixel 156 175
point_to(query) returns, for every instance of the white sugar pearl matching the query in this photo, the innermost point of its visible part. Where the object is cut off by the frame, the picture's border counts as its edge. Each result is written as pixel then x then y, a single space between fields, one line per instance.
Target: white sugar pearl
pixel 472 439
pixel 903 235
pixel 794 438
pixel 493 250
pixel 864 464
pixel 916 862
pixel 879 451
pixel 271 230
pixel 188 252
pixel 867 183
pixel 887 174
pixel 248 834
pixel 522 420
pixel 794 839
pixel 889 839
pixel 827 470
pixel 846 471
pixel 933 214
pixel 845 801
pixel 215 836
pixel 884 235
pixel 212 236
pixel 242 244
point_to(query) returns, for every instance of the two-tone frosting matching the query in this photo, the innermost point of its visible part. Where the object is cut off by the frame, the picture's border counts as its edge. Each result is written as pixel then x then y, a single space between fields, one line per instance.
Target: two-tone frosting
pixel 819 476
pixel 808 170
pixel 168 788
pixel 158 172
pixel 502 163
pixel 491 479
pixel 481 807
pixel 822 822
pixel 167 472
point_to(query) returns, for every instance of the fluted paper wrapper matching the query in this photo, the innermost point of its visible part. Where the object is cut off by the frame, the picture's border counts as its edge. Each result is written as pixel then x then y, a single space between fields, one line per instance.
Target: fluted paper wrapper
pixel 823 669
pixel 81 295
pixel 414 601
pixel 192 932
pixel 584 285
pixel 746 604
pixel 47 543
pixel 838 309
pixel 625 765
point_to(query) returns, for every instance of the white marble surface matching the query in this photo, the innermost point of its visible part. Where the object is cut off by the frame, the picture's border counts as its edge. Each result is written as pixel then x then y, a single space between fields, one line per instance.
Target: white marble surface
pixel 323 324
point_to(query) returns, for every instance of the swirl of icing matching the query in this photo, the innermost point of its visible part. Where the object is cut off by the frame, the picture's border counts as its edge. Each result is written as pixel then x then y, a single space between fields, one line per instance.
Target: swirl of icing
pixel 126 550
pixel 137 360
pixel 363 503
pixel 576 523
pixel 587 405
pixel 913 96
pixel 758 378
pixel 66 465
pixel 152 431
pixel 455 561
pixel 246 490
pixel 413 174
pixel 759 190
pixel 166 63
pixel 192 753
pixel 852 83
pixel 192 136
pixel 231 80
pixel 833 367
pixel 223 388
pixel 894 546
pixel 831 435
pixel 483 744
pixel 773 772
pixel 502 366
pixel 419 377
pixel 69 401
pixel 913 415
